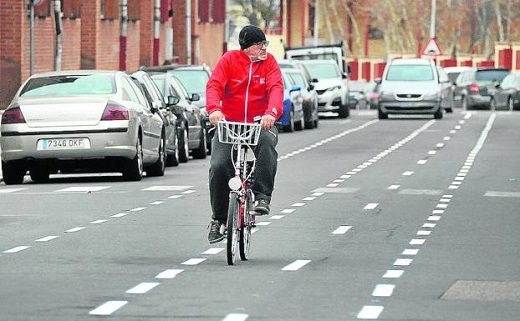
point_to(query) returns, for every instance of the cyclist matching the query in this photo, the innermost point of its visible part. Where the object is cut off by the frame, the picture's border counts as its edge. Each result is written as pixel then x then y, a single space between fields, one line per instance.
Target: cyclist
pixel 245 84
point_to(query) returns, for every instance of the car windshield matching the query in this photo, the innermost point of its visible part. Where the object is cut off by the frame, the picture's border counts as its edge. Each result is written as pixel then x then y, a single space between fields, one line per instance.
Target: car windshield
pixel 409 73
pixel 194 80
pixel 491 75
pixel 323 71
pixel 453 76
pixel 160 84
pixel 69 85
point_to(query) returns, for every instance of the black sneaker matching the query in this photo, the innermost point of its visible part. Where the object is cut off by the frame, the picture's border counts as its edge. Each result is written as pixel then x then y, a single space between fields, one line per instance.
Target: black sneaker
pixel 215 231
pixel 262 207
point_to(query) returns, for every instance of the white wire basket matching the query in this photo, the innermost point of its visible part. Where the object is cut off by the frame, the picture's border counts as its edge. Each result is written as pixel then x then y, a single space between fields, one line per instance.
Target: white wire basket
pixel 234 132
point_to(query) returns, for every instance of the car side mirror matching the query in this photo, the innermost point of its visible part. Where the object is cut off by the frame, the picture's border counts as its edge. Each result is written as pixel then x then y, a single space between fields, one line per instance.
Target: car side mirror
pixel 311 87
pixel 195 97
pixel 314 80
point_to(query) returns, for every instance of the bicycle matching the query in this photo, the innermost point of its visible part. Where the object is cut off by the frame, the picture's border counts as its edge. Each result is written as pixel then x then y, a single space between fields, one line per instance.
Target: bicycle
pixel 241 214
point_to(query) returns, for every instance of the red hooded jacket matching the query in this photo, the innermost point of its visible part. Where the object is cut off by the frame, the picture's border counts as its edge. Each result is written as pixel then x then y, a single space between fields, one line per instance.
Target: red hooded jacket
pixel 242 89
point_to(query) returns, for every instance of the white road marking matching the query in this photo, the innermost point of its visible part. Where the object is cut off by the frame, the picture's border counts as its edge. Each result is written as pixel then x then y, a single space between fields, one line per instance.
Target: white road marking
pixel 108 308
pixel 142 288
pixel 213 250
pixel 332 185
pixel 11 190
pixel 403 262
pixel 264 223
pixel 137 209
pixel 342 229
pixel 298 204
pixel 440 145
pixel 393 274
pixel 345 176
pixel 175 196
pixel 47 238
pixel 410 252
pixel 383 290
pixel 277 217
pixel 169 274
pixel 75 229
pixel 408 173
pixel 287 211
pixel 83 189
pixel 98 221
pixel 119 215
pixel 429 225
pixel 417 242
pixel 424 233
pixel 394 186
pixel 338 181
pixel 370 312
pixel 447 138
pixel 442 206
pixel 434 218
pixel 16 249
pixel 236 317
pixel 188 192
pixel 166 188
pixel 156 203
pixel 501 194
pixel 432 152
pixel 422 162
pixel 296 265
pixel 193 261
pixel 437 211
pixel 371 206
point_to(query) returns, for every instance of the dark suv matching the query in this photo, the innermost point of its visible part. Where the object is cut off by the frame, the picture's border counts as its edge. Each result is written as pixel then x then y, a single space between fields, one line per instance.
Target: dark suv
pixel 475 87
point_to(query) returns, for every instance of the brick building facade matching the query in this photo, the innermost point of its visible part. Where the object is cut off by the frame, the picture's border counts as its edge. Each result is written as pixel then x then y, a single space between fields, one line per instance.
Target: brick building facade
pixel 93 36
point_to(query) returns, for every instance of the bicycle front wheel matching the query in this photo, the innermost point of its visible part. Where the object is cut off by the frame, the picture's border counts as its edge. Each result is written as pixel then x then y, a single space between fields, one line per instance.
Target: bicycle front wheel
pixel 247 229
pixel 232 228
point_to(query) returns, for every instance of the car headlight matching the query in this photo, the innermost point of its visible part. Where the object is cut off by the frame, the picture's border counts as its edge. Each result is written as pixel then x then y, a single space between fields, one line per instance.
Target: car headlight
pixel 334 88
pixel 432 96
pixel 385 95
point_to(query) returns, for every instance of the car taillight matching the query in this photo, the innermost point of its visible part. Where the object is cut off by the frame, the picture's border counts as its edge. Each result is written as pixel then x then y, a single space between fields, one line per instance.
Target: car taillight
pixel 13 116
pixel 474 88
pixel 115 112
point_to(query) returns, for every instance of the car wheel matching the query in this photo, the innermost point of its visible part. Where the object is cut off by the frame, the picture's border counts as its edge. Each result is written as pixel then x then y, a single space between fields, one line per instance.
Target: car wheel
pixel 184 148
pixel 39 173
pixel 201 151
pixel 381 114
pixel 438 114
pixel 290 127
pixel 13 172
pixel 157 169
pixel 134 168
pixel 298 125
pixel 510 104
pixel 173 158
pixel 344 111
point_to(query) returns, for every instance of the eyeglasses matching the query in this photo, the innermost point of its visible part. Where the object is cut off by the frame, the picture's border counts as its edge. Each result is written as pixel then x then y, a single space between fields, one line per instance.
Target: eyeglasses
pixel 261 44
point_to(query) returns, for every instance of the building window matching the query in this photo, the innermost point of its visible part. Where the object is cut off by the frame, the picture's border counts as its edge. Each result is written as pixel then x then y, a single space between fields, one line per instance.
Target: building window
pixel 109 9
pixel 166 10
pixel 71 9
pixel 133 10
pixel 43 10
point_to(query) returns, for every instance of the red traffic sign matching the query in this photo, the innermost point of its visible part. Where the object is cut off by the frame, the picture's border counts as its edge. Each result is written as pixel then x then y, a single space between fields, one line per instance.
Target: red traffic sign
pixel 432 48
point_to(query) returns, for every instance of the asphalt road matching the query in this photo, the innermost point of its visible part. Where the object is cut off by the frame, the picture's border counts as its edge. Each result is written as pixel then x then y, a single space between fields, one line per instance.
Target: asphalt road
pixel 402 219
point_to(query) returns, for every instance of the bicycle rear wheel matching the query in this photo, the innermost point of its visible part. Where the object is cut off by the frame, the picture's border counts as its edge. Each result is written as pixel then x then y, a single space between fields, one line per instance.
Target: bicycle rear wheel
pixel 247 229
pixel 232 228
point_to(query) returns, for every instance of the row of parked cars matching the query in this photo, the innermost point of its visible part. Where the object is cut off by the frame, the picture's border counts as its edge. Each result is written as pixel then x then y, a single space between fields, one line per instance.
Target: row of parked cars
pixel 104 121
pixel 419 86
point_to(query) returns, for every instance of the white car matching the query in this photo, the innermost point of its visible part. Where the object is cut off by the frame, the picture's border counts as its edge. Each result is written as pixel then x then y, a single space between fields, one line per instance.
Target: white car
pixel 332 86
pixel 83 120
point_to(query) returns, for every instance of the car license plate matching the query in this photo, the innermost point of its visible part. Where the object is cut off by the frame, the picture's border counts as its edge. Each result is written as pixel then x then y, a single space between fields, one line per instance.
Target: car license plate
pixel 63 143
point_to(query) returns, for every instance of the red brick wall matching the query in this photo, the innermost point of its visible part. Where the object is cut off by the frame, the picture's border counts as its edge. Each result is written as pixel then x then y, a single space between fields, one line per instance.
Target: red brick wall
pixel 146 41
pixel 133 46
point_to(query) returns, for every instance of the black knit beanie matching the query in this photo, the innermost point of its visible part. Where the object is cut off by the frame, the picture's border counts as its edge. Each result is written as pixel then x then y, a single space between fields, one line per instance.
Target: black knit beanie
pixel 249 35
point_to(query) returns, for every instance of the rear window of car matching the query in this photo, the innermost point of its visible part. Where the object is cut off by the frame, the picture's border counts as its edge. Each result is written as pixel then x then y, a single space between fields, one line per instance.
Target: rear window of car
pixel 491 75
pixel 409 73
pixel 69 85
pixel 323 71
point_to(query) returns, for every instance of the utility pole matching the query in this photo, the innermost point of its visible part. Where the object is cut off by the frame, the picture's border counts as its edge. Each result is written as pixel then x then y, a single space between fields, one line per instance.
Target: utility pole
pixel 432 19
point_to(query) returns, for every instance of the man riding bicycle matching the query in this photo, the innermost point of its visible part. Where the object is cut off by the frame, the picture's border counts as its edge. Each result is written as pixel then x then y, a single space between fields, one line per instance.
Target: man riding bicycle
pixel 245 84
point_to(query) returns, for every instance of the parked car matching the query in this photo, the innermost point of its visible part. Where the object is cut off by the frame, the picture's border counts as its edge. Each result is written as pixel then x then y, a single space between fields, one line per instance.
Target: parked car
pixel 332 86
pixel 358 98
pixel 414 86
pixel 153 94
pixel 194 78
pixel 507 94
pixel 292 116
pixel 88 120
pixel 309 96
pixel 190 122
pixel 453 73
pixel 475 87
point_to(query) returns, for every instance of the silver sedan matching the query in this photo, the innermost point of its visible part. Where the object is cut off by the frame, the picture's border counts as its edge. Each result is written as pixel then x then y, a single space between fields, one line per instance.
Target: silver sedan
pixel 83 120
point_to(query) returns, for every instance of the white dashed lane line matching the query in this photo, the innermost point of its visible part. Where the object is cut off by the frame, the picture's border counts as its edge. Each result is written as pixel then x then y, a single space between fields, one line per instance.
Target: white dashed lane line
pixel 108 308
pixel 296 265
